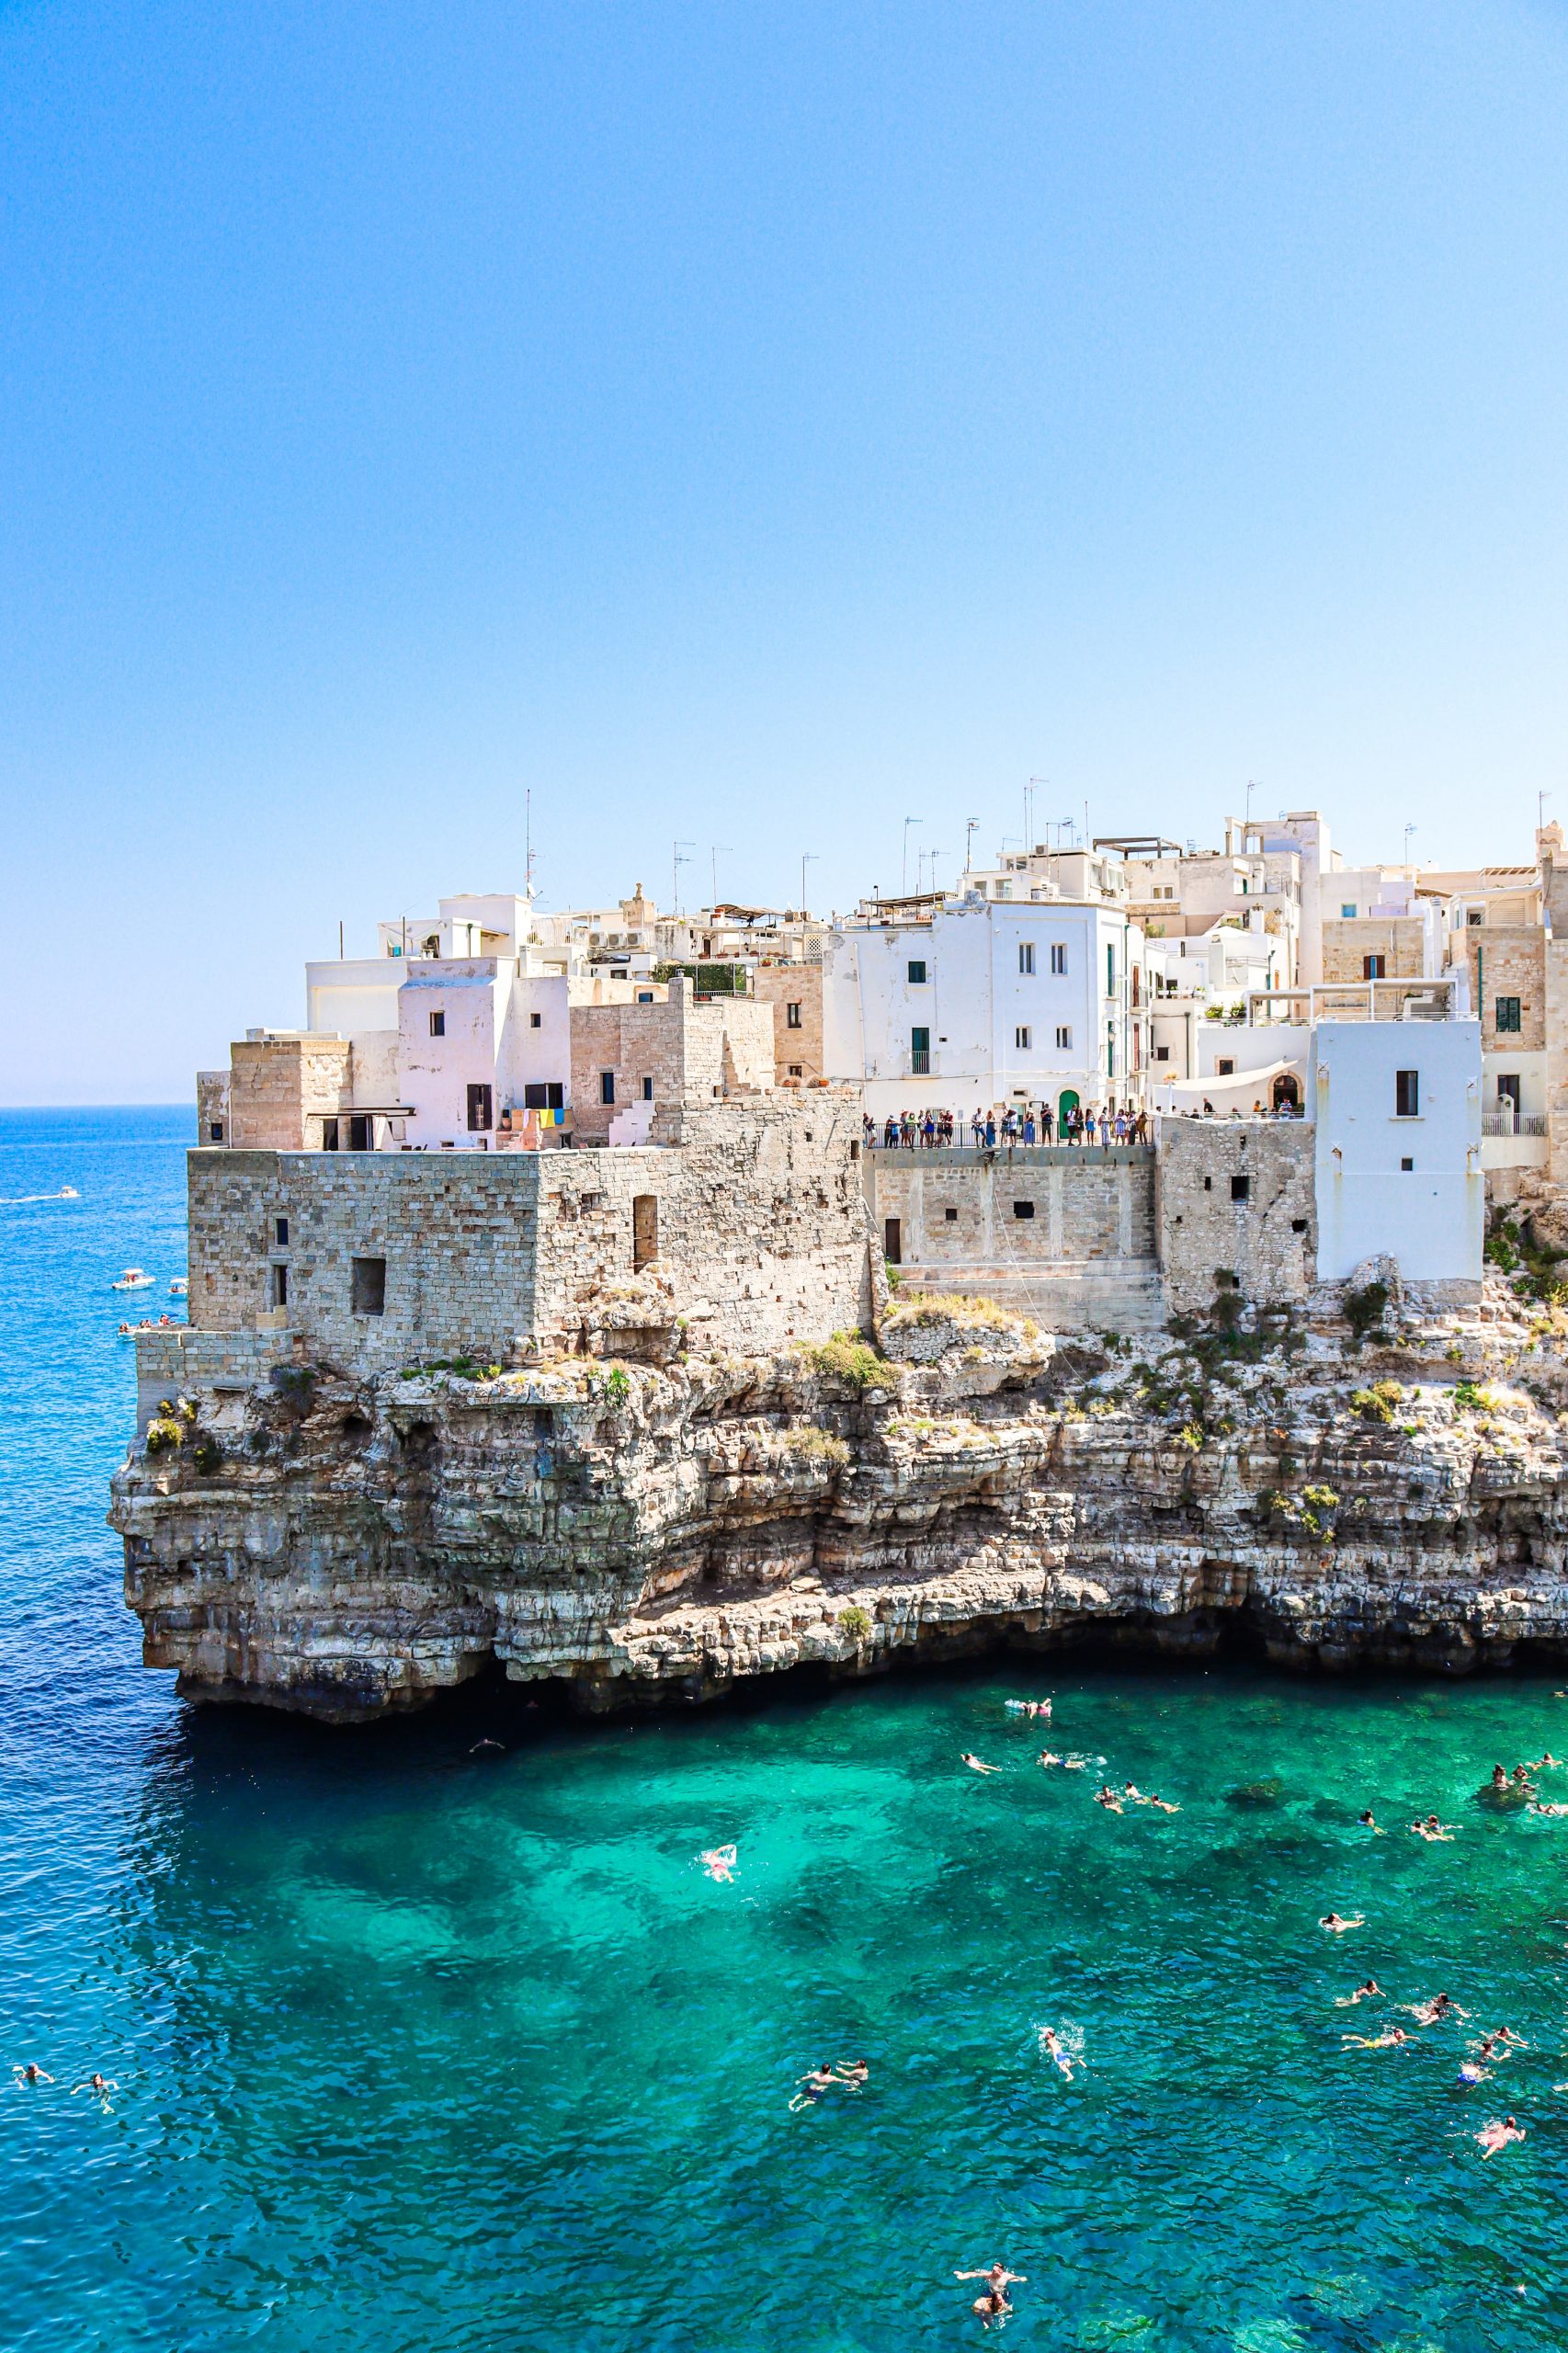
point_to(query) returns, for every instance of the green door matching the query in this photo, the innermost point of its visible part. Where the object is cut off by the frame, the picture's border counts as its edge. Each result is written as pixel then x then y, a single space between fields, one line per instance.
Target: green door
pixel 1067 1102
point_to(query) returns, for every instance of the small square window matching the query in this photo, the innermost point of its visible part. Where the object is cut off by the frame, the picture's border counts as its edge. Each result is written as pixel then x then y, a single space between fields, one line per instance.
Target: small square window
pixel 1298 1225
pixel 1225 1067
pixel 215 1131
pixel 1407 1167
pixel 437 1025
pixel 1347 914
pixel 1241 1187
pixel 1161 1054
pixel 1023 1209
pixel 916 977
pixel 949 1217
pixel 280 1286
pixel 1022 1038
pixel 1374 967
pixel 796 1070
pixel 535 1019
pixel 644 996
pixel 792 1012
pixel 280 1232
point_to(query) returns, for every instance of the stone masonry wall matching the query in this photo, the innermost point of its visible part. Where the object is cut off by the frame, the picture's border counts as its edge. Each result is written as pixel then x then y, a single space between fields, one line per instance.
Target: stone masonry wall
pixel 688 1051
pixel 760 1225
pixel 1399 940
pixel 1510 962
pixel 274 1082
pixel 1037 1207
pixel 797 1053
pixel 1263 1243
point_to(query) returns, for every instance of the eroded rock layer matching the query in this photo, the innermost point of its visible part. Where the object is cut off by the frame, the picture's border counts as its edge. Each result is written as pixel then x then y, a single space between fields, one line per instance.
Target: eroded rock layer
pixel 643 1533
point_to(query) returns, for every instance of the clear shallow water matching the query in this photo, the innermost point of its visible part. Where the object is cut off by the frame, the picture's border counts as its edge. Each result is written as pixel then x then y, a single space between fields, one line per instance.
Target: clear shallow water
pixel 417 2049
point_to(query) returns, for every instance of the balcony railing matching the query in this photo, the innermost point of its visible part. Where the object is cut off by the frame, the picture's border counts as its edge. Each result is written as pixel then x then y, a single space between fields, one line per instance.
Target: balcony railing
pixel 1513 1123
pixel 920 1064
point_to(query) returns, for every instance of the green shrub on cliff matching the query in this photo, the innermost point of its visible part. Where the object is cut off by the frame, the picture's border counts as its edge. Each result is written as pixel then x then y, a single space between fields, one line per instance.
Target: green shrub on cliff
pixel 1377 1403
pixel 847 1358
pixel 815 1445
pixel 855 1621
pixel 164 1434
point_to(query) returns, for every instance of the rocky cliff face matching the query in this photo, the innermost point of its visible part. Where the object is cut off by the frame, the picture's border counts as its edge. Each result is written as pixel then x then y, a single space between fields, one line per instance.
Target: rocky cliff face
pixel 644 1532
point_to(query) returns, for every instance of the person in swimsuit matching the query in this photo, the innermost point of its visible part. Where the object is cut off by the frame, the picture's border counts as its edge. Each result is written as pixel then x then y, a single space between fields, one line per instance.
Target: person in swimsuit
pixel 1393 2039
pixel 1336 1927
pixel 1535 1806
pixel 811 2087
pixel 995 2302
pixel 1432 1829
pixel 1472 2071
pixel 98 2088
pixel 1107 1797
pixel 1162 1805
pixel 976 1767
pixel 1048 1757
pixel 853 2072
pixel 1367 1824
pixel 1499 1777
pixel 1495 2135
pixel 1134 1795
pixel 1054 2050
pixel 718 1863
pixel 1433 2013
pixel 1028 1707
pixel 31 2074
pixel 1370 1991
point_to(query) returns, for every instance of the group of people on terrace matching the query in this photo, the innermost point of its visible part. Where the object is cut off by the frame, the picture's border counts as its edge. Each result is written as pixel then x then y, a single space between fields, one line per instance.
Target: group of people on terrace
pixel 1013 1124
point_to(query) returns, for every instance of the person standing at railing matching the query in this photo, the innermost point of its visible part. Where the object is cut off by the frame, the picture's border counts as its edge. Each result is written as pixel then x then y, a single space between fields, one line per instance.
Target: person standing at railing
pixel 977 1127
pixel 1045 1123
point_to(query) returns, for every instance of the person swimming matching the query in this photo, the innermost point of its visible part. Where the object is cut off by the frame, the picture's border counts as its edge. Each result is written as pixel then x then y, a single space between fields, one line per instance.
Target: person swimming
pixel 1498 2135
pixel 1393 2039
pixel 1433 2013
pixel 812 2085
pixel 1433 1830
pixel 995 2304
pixel 1370 1991
pixel 1336 1927
pixel 1028 1707
pixel 1162 1805
pixel 1367 1822
pixel 1050 2045
pixel 99 2089
pixel 1555 1812
pixel 31 2074
pixel 1105 1795
pixel 976 1765
pixel 718 1863
pixel 853 2072
pixel 1499 1777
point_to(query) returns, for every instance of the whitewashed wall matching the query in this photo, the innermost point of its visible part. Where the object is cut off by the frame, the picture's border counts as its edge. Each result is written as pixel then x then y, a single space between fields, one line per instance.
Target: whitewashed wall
pixel 1431 1217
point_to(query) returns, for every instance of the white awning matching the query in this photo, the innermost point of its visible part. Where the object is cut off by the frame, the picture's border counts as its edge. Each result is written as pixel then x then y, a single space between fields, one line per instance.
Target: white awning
pixel 1241 1082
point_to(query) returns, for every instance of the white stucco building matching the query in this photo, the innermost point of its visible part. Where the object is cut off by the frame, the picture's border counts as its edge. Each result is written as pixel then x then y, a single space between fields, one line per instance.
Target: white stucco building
pixel 983 1001
pixel 1398 1167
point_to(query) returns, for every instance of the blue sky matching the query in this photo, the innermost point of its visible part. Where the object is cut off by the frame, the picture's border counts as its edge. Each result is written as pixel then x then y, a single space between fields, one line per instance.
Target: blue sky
pixel 750 425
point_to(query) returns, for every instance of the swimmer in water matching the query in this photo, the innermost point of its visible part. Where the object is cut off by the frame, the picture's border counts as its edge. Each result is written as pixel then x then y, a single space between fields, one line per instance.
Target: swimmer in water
pixel 1433 2013
pixel 1028 1707
pixel 1521 1779
pixel 1471 2072
pixel 1053 2049
pixel 1394 2039
pixel 1367 1824
pixel 1370 1991
pixel 1433 1830
pixel 995 2304
pixel 976 1765
pixel 1336 1927
pixel 1499 1777
pixel 1075 1763
pixel 98 2088
pixel 1162 1805
pixel 1547 1759
pixel 812 2088
pixel 31 2074
pixel 718 1863
pixel 1134 1795
pixel 1048 1757
pixel 853 2072
pixel 1105 1795
pixel 1498 2135
pixel 1535 1806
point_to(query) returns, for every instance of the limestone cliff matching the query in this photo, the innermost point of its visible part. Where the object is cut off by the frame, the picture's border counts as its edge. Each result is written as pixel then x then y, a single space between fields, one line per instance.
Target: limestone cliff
pixel 644 1531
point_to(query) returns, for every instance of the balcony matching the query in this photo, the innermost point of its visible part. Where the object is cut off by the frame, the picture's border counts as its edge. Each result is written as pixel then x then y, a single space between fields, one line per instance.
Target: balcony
pixel 920 1063
pixel 1513 1123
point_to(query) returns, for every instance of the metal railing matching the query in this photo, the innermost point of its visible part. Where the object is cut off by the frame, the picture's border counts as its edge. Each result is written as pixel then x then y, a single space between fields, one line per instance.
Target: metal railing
pixel 920 1064
pixel 1513 1123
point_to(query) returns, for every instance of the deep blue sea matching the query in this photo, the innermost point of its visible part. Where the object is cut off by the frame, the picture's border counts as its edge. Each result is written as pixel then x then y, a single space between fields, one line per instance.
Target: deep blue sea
pixel 416 2048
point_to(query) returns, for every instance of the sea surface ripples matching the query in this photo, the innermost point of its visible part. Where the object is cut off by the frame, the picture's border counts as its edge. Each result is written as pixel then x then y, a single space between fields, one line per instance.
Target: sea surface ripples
pixel 418 2048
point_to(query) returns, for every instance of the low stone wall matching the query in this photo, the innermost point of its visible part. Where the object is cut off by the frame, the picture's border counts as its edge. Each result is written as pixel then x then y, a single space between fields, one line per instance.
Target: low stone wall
pixel 1236 1212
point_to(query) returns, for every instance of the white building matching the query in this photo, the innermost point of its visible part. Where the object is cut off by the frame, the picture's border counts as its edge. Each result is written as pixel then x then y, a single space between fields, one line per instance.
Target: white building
pixel 983 1001
pixel 1398 1162
pixel 1201 982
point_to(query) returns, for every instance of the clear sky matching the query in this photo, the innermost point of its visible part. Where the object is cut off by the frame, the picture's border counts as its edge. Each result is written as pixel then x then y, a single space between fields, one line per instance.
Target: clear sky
pixel 754 425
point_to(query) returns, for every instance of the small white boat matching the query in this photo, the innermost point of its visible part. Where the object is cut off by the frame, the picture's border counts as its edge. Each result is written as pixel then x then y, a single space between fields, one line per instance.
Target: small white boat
pixel 133 1278
pixel 179 1288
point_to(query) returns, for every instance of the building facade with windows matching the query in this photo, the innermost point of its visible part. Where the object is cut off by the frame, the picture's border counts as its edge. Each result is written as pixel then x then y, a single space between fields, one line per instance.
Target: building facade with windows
pixel 979 1002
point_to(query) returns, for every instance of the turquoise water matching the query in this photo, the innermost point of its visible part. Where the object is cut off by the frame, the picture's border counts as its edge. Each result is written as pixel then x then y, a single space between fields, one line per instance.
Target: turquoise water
pixel 420 2049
